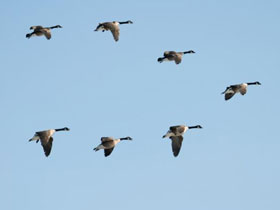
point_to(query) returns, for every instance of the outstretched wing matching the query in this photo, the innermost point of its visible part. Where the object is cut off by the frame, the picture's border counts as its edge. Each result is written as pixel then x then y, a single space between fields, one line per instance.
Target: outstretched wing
pixel 36 27
pixel 47 146
pixel 107 152
pixel 99 27
pixel 176 144
pixel 104 139
pixel 169 53
pixel 177 58
pixel 116 33
pixel 230 92
pixel 177 129
pixel 113 28
pixel 47 33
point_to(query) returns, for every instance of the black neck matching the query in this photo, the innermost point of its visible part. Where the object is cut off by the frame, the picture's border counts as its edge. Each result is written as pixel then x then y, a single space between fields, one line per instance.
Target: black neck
pixel 252 83
pixel 125 22
pixel 60 129
pixel 190 51
pixel 57 26
pixel 197 126
pixel 125 138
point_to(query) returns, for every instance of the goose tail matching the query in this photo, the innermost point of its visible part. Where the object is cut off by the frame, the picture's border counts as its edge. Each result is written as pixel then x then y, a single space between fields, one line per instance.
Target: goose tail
pixel 160 60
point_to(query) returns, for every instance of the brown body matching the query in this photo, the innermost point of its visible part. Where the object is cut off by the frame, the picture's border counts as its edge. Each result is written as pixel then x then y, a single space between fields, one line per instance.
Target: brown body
pixel 41 31
pixel 175 133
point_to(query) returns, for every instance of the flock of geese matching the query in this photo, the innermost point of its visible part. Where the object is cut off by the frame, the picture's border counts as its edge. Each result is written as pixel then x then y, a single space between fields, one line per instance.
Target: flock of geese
pixel 175 133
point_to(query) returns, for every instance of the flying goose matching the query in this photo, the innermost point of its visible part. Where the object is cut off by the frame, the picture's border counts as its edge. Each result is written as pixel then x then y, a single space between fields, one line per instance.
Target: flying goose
pixel 46 138
pixel 174 56
pixel 239 88
pixel 114 27
pixel 40 31
pixel 175 133
pixel 108 144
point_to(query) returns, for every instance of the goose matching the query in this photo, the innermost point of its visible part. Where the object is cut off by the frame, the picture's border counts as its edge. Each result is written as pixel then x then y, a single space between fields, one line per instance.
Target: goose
pixel 46 138
pixel 114 27
pixel 174 56
pixel 239 88
pixel 175 133
pixel 40 31
pixel 108 144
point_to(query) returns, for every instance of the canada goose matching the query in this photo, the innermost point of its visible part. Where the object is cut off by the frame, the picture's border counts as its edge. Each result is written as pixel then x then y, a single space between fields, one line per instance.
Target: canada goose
pixel 108 144
pixel 114 27
pixel 46 138
pixel 40 31
pixel 174 56
pixel 241 88
pixel 175 133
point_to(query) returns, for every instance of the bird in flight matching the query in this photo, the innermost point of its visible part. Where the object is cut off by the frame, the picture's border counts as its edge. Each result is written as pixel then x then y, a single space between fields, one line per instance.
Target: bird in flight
pixel 175 133
pixel 46 138
pixel 108 144
pixel 114 27
pixel 40 31
pixel 173 56
pixel 239 88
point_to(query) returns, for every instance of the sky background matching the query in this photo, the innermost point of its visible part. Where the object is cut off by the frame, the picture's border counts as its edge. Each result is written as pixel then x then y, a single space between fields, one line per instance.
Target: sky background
pixel 98 87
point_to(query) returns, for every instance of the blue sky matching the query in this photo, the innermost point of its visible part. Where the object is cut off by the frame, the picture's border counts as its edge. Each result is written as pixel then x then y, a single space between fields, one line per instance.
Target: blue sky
pixel 97 87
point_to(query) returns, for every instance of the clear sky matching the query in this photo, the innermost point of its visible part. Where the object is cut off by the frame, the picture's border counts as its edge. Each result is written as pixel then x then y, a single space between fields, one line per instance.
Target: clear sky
pixel 98 87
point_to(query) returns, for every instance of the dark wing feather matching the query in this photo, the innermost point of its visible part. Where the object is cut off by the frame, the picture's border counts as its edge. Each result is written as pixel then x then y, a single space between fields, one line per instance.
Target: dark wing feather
pixel 116 34
pixel 107 152
pixel 178 129
pixel 230 91
pixel 169 53
pixel 104 139
pixel 36 28
pixel 108 144
pixel 174 128
pixel 99 26
pixel 176 144
pixel 229 95
pixel 48 146
pixel 170 57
